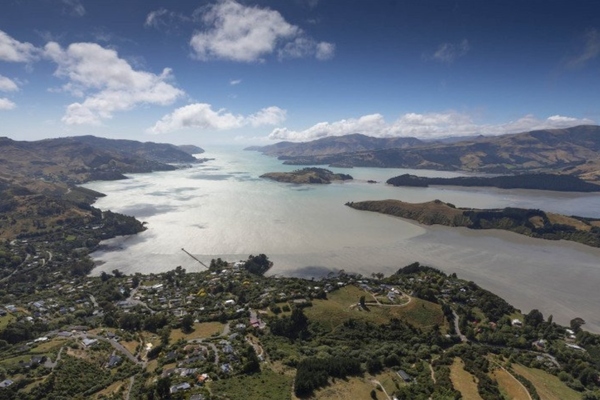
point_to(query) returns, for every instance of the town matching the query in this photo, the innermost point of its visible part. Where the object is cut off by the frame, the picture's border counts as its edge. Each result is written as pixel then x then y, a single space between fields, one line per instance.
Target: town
pixel 230 332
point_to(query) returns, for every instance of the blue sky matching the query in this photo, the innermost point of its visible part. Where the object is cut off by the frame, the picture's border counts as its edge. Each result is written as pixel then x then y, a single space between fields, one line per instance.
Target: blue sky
pixel 227 71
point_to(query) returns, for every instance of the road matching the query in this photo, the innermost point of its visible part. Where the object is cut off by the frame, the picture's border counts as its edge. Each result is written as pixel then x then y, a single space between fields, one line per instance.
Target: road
pixel 512 376
pixel 463 338
pixel 376 382
pixel 17 268
pixel 131 300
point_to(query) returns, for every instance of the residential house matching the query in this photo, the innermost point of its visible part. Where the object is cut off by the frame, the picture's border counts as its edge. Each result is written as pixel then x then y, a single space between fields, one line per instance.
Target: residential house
pixel 180 387
pixel 405 377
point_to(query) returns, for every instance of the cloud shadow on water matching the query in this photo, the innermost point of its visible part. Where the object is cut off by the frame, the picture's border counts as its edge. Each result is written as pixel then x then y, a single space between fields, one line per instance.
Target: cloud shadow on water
pixel 207 177
pixel 311 271
pixel 146 210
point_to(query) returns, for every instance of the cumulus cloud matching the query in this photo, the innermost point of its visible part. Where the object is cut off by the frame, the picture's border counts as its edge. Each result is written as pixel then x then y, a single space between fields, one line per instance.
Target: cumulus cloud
pixel 246 34
pixel 202 116
pixel 590 51
pixel 6 104
pixel 424 126
pixel 267 116
pixel 449 52
pixel 14 51
pixel 107 82
pixel 7 85
pixel 75 8
pixel 234 82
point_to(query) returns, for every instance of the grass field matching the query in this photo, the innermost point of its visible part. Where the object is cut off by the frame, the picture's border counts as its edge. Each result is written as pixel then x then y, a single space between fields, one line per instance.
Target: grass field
pixel 340 307
pixel 389 380
pixel 201 330
pixel 509 387
pixel 349 389
pixel 264 386
pixel 11 362
pixel 112 389
pixel 463 381
pixel 130 346
pixel 46 347
pixel 7 319
pixel 549 387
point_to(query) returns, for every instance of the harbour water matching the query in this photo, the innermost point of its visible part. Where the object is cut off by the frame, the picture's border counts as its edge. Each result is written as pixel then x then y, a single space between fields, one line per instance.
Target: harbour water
pixel 222 208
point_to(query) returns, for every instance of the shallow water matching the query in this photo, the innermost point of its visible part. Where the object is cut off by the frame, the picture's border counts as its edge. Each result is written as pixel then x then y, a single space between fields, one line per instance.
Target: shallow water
pixel 223 209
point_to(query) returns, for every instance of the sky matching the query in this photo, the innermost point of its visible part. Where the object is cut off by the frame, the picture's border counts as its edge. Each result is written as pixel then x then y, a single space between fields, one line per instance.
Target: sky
pixel 257 72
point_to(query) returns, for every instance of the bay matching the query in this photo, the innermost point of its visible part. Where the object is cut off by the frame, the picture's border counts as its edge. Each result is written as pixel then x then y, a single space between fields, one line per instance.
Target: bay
pixel 223 209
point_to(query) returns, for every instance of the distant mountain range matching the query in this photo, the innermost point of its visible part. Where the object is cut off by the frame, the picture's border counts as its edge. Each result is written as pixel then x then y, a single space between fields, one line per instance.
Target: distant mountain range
pixel 38 179
pixel 572 151
pixel 80 159
pixel 335 145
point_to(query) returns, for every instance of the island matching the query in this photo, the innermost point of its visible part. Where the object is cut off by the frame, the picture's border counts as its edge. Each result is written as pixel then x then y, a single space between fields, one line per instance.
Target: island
pixel 530 222
pixel 560 183
pixel 307 175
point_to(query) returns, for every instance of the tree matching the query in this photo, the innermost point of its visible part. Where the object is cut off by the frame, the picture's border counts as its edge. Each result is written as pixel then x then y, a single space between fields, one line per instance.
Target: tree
pixel 187 324
pixel 117 273
pixel 165 335
pixel 374 365
pixel 362 302
pixel 104 276
pixel 534 318
pixel 163 388
pixel 576 324
pixel 258 265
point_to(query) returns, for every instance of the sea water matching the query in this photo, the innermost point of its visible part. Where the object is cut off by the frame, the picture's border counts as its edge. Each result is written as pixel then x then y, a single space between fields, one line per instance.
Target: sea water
pixel 221 208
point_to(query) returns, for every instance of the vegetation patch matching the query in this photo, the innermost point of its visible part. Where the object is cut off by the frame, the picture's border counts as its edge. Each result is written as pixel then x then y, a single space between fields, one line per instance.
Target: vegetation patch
pixel 201 330
pixel 548 386
pixel 264 385
pixel 463 381
pixel 529 222
pixel 509 386
pixel 349 389
pixel 307 175
pixel 343 304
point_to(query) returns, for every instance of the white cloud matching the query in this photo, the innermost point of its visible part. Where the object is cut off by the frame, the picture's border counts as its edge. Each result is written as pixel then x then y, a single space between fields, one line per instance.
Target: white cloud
pixel 590 51
pixel 7 85
pixel 107 82
pixel 325 50
pixel 449 52
pixel 76 9
pixel 14 51
pixel 6 104
pixel 305 47
pixel 424 126
pixel 153 19
pixel 164 19
pixel 202 116
pixel 234 82
pixel 267 116
pixel 247 34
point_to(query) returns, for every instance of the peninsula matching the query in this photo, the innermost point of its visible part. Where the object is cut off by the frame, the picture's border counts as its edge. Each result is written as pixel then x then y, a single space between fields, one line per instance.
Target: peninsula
pixel 307 175
pixel 560 183
pixel 534 223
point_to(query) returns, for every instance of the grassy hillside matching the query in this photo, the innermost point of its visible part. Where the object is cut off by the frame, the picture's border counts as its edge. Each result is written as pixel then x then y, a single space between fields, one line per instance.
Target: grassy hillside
pixel 572 151
pixel 534 223
pixel 307 176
